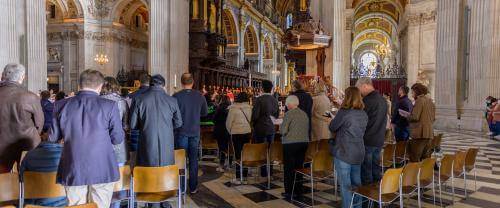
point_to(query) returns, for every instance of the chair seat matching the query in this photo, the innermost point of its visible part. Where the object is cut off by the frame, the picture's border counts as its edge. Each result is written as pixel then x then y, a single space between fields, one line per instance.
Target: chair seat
pixel 155 197
pixel 372 192
pixel 210 146
pixel 408 189
pixel 443 177
pixel 316 174
pixel 425 183
pixel 252 164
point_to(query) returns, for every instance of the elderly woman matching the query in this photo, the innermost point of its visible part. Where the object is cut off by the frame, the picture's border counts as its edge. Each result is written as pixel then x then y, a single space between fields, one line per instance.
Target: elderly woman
pixel 321 105
pixel 349 125
pixel 421 119
pixel 294 130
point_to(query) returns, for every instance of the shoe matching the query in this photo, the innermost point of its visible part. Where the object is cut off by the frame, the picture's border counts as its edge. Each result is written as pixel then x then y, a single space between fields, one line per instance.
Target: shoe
pixel 194 191
pixel 220 169
pixel 236 181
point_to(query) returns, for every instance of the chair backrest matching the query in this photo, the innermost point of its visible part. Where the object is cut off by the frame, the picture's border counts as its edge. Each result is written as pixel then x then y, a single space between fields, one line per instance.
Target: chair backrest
pixel 180 158
pixel 391 181
pixel 89 205
pixel 388 153
pixel 410 174
pixel 427 169
pixel 436 141
pixel 9 187
pixel 459 162
pixel 470 158
pixel 446 165
pixel 34 181
pixel 323 145
pixel 322 161
pixel 276 152
pixel 156 179
pixel 124 183
pixel 312 148
pixel 400 150
pixel 254 152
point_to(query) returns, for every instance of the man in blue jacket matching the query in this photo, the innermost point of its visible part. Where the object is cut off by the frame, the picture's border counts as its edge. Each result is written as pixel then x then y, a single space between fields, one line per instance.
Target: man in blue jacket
pixel 400 123
pixel 90 126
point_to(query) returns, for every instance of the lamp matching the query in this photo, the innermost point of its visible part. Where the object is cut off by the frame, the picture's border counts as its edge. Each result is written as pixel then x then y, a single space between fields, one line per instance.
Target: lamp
pixel 101 57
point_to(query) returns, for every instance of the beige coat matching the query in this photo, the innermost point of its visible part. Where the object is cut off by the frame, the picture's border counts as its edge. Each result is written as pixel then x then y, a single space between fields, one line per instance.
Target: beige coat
pixel 320 123
pixel 236 122
pixel 422 118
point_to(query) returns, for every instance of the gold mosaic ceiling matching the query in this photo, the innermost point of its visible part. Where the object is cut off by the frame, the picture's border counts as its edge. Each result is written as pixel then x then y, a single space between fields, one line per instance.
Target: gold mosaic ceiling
pixel 371 36
pixel 374 23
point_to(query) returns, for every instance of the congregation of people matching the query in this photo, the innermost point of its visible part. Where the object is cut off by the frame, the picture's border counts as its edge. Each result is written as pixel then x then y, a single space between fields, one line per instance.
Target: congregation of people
pixel 87 137
pixel 492 115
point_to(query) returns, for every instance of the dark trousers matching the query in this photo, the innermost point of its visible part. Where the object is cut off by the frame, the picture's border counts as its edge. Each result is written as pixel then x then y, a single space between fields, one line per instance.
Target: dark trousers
pixel 238 141
pixel 261 139
pixel 402 133
pixel 191 145
pixel 293 158
pixel 371 171
pixel 222 137
pixel 419 149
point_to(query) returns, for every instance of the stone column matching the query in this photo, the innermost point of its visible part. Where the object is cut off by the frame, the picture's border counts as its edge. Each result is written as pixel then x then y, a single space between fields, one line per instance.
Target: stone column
pixel 179 41
pixel 339 77
pixel 8 35
pixel 36 45
pixel 159 36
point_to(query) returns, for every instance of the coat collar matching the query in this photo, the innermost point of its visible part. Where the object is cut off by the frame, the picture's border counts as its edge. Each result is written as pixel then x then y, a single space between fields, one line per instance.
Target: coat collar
pixel 10 83
pixel 86 92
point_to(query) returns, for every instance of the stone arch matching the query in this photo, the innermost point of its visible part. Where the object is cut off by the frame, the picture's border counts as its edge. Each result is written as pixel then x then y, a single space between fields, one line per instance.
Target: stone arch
pixel 251 41
pixel 55 11
pixel 229 27
pixel 128 12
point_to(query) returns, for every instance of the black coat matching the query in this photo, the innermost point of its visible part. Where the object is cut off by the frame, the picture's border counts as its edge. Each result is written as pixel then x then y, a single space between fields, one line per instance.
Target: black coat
pixel 155 114
pixel 305 101
pixel 264 107
pixel 376 109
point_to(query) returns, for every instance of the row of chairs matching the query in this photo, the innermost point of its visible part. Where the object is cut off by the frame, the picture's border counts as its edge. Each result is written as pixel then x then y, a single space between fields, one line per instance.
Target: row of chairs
pixel 414 177
pixel 396 153
pixel 142 184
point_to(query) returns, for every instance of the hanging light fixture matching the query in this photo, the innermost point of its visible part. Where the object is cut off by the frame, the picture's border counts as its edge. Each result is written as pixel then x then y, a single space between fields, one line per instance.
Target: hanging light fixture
pixel 101 57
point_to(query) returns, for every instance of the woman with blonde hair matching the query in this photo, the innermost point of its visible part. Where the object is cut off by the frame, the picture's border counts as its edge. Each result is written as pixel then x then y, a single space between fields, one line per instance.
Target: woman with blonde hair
pixel 321 105
pixel 349 125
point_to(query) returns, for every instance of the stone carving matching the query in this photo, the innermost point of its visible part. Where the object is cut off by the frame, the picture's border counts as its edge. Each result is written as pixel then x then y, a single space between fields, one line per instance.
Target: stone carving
pixel 422 18
pixel 423 77
pixel 99 8
pixel 53 55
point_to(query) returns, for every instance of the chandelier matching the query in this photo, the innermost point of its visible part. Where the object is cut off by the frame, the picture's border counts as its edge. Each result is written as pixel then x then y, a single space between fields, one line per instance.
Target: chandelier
pixel 101 57
pixel 383 50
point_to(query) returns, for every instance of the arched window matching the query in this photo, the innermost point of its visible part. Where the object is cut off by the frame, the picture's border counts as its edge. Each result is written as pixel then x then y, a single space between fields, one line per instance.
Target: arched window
pixel 367 65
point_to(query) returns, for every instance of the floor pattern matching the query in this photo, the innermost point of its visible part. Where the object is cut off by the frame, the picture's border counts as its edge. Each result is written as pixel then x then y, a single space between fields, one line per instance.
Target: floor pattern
pixel 217 191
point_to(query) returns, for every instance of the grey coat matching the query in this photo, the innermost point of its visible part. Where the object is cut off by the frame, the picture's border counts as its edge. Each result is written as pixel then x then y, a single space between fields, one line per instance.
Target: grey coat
pixel 349 126
pixel 155 114
pixel 121 151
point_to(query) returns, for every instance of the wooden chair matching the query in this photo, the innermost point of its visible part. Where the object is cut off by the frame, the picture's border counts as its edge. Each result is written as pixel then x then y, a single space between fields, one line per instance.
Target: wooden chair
pixel 9 188
pixel 388 190
pixel 180 161
pixel 208 142
pixel 312 148
pixel 445 174
pixel 123 185
pixel 276 154
pixel 459 168
pixel 89 205
pixel 32 182
pixel 387 160
pixel 436 143
pixel 156 184
pixel 410 178
pixel 426 178
pixel 400 154
pixel 254 156
pixel 470 164
pixel 323 145
pixel 321 169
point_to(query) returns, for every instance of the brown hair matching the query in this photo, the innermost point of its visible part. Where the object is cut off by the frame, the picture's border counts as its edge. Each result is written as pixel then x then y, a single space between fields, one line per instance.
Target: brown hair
pixel 187 79
pixel 353 99
pixel 110 86
pixel 419 89
pixel 45 94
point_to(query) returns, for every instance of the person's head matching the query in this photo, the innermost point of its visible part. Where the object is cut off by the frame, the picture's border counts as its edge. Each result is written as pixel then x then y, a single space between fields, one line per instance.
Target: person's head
pixel 365 85
pixel 297 85
pixel 419 89
pixel 110 86
pixel 267 86
pixel 145 79
pixel 353 99
pixel 187 81
pixel 242 97
pixel 91 80
pixel 13 73
pixel 494 101
pixel 209 96
pixel 157 81
pixel 403 90
pixel 45 95
pixel 225 101
pixel 292 102
pixel 60 95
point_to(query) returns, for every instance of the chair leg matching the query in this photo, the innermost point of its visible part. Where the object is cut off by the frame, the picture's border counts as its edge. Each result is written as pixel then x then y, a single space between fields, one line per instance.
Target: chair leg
pixel 312 190
pixel 440 193
pixel 452 191
pixel 465 184
pixel 419 199
pixel 293 186
pixel 433 191
pixel 352 199
pixel 335 188
pixel 241 171
pixel 475 179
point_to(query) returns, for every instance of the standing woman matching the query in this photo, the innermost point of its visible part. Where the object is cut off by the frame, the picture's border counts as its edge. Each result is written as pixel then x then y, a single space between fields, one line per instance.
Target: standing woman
pixel 220 130
pixel 349 126
pixel 238 125
pixel 321 105
pixel 421 119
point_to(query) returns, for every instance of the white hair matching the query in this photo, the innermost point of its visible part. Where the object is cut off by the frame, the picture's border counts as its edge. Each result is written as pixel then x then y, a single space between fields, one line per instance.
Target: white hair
pixel 13 72
pixel 364 80
pixel 292 100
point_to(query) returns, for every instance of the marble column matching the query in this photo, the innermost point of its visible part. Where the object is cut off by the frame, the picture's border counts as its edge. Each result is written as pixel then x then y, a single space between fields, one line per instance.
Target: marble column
pixel 159 44
pixel 8 36
pixel 36 45
pixel 339 77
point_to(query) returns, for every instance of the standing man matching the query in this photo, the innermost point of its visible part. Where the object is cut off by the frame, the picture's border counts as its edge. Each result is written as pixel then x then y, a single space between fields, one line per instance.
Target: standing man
pixel 400 123
pixel 155 115
pixel 193 106
pixel 21 117
pixel 144 79
pixel 89 125
pixel 376 109
pixel 264 107
pixel 134 134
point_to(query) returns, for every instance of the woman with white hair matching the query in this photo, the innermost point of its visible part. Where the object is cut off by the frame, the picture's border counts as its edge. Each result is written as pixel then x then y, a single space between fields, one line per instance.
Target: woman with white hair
pixel 295 138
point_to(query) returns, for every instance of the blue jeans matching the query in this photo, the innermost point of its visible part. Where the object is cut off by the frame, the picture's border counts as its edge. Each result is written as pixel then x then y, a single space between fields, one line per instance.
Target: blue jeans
pixel 371 171
pixel 49 202
pixel 495 128
pixel 261 139
pixel 401 133
pixel 349 177
pixel 191 145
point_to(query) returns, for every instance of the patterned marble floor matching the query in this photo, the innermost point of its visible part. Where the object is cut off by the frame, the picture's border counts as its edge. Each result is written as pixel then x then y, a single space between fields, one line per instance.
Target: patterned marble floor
pixel 216 190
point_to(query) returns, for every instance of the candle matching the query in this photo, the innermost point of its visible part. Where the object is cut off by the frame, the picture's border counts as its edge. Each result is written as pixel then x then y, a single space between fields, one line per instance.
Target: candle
pixel 175 80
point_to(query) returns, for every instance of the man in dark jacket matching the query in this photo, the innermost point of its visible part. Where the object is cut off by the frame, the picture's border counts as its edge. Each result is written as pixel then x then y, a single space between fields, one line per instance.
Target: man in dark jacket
pixel 264 107
pixel 155 115
pixel 89 125
pixel 305 99
pixel 134 134
pixel 23 132
pixel 48 108
pixel 400 123
pixel 193 106
pixel 376 109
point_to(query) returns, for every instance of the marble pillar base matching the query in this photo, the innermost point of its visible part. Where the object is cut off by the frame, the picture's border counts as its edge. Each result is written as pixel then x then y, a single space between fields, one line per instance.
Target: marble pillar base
pixel 471 120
